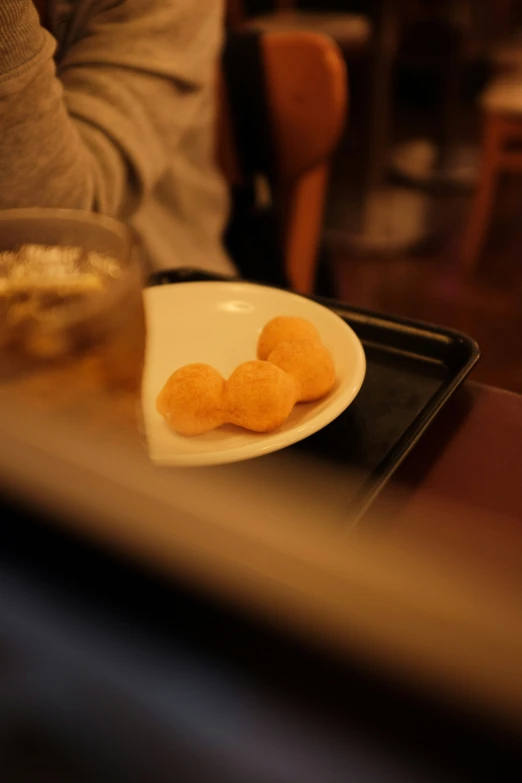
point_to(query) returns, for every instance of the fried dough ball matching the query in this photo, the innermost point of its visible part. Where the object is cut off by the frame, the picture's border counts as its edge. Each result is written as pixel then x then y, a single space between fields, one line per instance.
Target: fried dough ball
pixel 310 364
pixel 192 400
pixel 260 396
pixel 285 328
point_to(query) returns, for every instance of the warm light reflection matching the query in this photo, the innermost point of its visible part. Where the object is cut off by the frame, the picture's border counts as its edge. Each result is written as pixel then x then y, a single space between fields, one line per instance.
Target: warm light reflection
pixel 236 307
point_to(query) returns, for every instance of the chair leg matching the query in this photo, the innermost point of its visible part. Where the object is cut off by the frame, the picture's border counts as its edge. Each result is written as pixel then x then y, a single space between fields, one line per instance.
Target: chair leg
pixel 304 218
pixel 480 214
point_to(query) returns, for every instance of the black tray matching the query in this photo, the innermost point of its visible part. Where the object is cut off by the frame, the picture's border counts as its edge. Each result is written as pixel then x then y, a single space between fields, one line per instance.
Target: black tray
pixel 412 370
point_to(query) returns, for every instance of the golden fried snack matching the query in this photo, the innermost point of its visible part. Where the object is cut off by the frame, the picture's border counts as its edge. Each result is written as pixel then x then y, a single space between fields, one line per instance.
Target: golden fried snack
pixel 192 400
pixel 259 396
pixel 310 364
pixel 285 328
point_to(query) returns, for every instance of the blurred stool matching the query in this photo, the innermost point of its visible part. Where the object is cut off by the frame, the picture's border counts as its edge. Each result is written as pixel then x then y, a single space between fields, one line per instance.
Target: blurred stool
pixel 442 40
pixel 501 151
pixel 418 161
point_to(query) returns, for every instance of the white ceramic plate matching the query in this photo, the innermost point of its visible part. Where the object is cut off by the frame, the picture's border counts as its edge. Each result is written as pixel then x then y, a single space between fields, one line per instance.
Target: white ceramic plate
pixel 219 323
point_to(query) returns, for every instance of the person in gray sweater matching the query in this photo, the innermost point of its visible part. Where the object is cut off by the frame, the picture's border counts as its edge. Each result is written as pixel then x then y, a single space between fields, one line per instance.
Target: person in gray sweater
pixel 111 109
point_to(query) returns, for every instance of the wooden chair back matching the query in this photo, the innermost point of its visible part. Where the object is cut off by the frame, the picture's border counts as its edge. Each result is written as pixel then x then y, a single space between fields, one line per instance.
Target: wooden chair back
pixel 307 97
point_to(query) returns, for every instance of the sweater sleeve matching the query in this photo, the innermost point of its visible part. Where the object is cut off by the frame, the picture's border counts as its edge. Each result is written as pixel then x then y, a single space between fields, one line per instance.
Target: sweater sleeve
pixel 97 133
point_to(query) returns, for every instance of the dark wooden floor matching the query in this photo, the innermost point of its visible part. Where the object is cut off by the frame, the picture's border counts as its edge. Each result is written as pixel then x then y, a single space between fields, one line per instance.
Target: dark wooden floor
pixel 487 303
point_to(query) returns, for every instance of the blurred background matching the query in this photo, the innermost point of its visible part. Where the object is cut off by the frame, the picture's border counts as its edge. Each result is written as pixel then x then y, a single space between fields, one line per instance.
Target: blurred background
pixel 423 207
pixel 160 625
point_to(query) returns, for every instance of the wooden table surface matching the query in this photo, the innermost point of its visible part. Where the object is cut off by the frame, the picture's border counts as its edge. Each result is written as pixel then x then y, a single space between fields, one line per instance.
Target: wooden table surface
pixel 470 463
pixel 453 618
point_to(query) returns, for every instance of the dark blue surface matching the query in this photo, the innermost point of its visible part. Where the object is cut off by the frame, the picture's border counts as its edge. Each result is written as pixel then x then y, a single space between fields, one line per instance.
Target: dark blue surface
pixel 116 675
